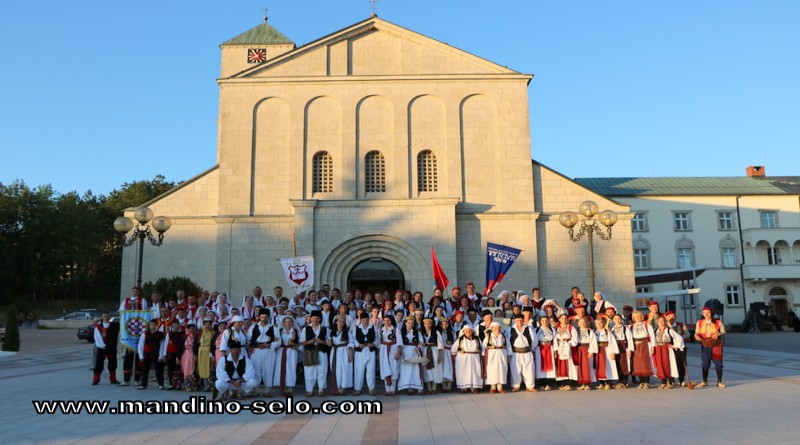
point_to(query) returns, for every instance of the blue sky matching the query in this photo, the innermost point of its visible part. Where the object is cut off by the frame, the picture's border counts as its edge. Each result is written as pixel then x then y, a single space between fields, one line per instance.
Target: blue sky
pixel 97 93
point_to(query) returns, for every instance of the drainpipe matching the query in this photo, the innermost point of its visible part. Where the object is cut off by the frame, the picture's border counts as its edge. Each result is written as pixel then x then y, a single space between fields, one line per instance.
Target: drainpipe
pixel 741 249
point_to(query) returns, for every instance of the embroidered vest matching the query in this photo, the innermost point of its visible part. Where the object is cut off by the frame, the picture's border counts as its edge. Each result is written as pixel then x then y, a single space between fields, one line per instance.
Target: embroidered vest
pixel 369 337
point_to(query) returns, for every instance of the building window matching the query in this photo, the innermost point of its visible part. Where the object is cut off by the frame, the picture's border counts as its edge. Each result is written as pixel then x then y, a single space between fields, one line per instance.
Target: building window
pixel 322 166
pixel 769 219
pixel 728 251
pixel 375 173
pixel 728 257
pixel 684 250
pixel 682 222
pixel 773 256
pixel 427 174
pixel 639 222
pixel 732 294
pixel 725 220
pixel 643 302
pixel 641 254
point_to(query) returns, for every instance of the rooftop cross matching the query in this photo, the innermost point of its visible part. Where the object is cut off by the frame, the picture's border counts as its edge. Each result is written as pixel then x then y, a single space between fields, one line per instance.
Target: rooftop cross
pixel 266 10
pixel 373 4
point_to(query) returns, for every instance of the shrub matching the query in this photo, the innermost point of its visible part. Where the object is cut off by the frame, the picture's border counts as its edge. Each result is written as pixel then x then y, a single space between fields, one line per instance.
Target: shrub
pixel 168 287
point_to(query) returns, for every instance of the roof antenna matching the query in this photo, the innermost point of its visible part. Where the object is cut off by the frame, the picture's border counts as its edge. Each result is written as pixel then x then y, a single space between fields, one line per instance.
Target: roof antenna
pixel 374 7
pixel 266 10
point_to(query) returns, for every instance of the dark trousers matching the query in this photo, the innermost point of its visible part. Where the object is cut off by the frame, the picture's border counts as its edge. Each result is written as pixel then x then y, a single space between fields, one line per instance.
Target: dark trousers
pixel 146 363
pixel 705 355
pixel 680 359
pixel 127 367
pixel 101 356
pixel 171 365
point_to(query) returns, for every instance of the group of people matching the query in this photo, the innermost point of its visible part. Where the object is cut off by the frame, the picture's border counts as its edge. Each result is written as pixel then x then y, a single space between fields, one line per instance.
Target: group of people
pixel 467 342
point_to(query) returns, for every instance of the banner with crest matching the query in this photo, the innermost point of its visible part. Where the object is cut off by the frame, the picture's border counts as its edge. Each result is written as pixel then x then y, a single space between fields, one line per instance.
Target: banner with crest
pixel 299 272
pixel 131 326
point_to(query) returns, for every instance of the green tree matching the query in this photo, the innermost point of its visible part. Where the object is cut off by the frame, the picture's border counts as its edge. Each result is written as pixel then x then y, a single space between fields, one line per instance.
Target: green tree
pixel 11 340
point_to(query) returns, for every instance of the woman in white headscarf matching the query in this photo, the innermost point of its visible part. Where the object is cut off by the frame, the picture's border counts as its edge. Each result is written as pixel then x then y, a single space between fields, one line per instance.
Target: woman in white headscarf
pixel 467 349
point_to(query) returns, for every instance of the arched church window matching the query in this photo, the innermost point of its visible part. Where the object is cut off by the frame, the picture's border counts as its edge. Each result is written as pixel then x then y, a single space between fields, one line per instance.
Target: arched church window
pixel 375 172
pixel 322 166
pixel 427 174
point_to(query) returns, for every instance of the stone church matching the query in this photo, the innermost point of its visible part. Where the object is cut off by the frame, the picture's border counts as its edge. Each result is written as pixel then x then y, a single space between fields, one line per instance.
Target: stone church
pixel 365 148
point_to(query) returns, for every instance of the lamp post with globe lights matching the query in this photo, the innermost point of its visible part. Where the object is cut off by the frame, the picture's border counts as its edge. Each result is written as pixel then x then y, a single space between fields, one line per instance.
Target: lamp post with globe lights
pixel 589 226
pixel 141 231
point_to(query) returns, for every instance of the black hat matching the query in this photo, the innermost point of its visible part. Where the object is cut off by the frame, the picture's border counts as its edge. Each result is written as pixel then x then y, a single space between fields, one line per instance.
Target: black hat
pixel 527 308
pixel 520 316
pixel 234 343
pixel 363 315
pixel 316 313
pixel 486 312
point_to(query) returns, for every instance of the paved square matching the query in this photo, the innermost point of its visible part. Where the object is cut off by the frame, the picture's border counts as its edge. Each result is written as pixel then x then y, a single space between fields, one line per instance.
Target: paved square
pixel 758 406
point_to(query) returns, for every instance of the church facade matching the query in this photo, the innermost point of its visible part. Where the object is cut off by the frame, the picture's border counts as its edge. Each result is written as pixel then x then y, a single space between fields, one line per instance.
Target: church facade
pixel 365 148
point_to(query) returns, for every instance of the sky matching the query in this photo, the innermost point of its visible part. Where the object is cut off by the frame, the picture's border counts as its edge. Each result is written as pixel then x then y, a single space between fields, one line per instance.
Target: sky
pixel 98 93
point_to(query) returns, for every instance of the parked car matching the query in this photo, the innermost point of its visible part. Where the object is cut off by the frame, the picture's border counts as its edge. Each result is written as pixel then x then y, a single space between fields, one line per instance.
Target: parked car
pixel 81 315
pixel 87 333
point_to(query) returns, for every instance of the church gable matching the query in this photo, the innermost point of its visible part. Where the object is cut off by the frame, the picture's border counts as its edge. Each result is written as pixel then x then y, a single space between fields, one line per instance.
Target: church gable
pixel 374 47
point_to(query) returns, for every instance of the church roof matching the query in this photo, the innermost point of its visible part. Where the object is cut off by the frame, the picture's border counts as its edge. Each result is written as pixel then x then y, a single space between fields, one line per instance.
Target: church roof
pixel 686 186
pixel 263 34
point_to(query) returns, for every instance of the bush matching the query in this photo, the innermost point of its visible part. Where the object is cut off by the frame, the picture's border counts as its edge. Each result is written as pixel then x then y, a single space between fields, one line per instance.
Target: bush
pixel 168 287
pixel 11 341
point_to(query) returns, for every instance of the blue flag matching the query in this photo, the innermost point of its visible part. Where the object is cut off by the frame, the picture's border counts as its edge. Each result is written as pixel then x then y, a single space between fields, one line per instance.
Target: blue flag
pixel 498 260
pixel 131 325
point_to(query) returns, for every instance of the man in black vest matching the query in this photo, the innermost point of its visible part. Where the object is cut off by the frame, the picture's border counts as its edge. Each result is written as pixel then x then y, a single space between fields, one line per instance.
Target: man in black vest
pixel 152 349
pixel 106 336
pixel 235 373
pixel 522 341
pixel 316 343
pixel 365 341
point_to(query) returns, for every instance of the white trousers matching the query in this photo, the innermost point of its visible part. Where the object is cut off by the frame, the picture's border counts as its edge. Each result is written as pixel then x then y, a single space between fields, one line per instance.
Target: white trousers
pixel 264 365
pixel 316 375
pixel 247 386
pixel 365 363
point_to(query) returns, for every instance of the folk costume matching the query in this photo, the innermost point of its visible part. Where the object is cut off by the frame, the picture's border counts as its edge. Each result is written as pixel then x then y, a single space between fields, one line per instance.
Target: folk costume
pixel 545 353
pixel 231 370
pixel 709 333
pixel 341 365
pixel 521 345
pixel 434 352
pixel 263 356
pixel 583 352
pixel 364 341
pixel 468 368
pixel 664 357
pixel 315 360
pixel 388 355
pixel 566 369
pixel 605 364
pixel 410 378
pixel 152 348
pixel 286 344
pixel 496 349
pixel 623 337
pixel 642 350
pixel 106 336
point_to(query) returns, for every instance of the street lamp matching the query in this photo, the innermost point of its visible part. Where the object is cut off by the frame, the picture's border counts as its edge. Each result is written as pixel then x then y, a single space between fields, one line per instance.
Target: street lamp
pixel 141 230
pixel 590 226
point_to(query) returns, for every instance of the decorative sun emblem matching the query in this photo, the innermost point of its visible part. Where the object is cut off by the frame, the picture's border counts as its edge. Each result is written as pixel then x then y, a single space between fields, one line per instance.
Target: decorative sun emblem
pixel 135 325
pixel 256 55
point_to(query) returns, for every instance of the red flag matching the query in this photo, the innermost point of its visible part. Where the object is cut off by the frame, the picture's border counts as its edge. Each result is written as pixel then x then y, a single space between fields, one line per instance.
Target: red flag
pixel 438 273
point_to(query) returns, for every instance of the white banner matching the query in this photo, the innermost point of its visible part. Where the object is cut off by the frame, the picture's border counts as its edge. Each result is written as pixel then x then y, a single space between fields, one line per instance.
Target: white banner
pixel 299 272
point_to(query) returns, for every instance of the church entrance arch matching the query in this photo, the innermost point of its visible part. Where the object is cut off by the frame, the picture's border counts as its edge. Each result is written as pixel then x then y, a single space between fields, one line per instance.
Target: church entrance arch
pixel 376 275
pixel 348 263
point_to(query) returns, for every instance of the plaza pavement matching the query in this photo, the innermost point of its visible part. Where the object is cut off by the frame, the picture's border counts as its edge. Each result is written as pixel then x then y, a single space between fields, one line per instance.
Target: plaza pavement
pixel 760 405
